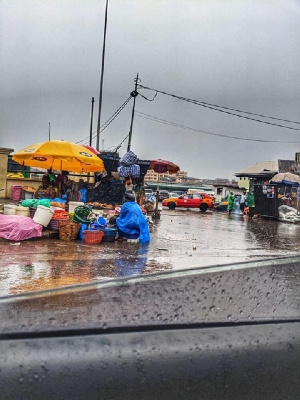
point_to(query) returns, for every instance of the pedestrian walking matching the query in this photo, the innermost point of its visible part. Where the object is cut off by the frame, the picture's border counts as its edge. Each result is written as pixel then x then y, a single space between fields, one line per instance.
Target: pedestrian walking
pixel 243 201
pixel 230 202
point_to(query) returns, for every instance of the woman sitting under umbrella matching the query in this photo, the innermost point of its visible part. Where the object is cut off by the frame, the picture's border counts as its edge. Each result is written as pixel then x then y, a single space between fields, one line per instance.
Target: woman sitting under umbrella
pixel 131 222
pixel 45 190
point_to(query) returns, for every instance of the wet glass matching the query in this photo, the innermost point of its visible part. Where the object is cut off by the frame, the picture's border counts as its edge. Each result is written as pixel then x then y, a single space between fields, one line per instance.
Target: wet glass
pixel 233 294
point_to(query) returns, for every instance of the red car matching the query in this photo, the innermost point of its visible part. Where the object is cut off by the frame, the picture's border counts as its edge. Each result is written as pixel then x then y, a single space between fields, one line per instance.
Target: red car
pixel 200 200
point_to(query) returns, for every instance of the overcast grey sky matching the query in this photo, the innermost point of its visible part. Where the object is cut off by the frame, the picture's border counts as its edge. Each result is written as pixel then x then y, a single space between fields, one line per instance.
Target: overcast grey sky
pixel 242 54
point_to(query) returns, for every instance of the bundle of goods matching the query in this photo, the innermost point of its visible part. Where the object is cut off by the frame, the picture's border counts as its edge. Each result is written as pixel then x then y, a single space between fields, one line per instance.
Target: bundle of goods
pixel 68 230
pixel 288 214
pixel 128 159
pixel 133 171
pixel 128 167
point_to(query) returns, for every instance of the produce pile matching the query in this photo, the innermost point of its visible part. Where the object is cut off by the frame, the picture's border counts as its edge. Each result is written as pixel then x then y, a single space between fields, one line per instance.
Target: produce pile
pixel 96 205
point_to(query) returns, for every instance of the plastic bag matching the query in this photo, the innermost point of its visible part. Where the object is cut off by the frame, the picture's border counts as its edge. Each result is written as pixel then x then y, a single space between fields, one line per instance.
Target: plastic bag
pixel 35 202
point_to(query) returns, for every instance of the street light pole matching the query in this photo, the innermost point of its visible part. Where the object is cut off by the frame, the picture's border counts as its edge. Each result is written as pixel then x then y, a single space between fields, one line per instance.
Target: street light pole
pixel 91 126
pixel 134 94
pixel 101 78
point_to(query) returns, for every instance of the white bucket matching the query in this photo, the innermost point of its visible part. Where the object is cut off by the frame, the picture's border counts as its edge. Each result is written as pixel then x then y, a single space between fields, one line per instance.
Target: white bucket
pixel 9 209
pixel 43 215
pixel 24 211
pixel 73 205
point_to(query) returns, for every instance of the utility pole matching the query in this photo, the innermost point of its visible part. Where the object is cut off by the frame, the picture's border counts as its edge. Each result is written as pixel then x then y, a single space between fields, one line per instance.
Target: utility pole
pixel 49 130
pixel 91 126
pixel 101 79
pixel 134 94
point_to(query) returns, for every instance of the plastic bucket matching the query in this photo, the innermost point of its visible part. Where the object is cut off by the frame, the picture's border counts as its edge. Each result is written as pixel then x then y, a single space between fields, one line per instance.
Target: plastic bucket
pixel 9 209
pixel 43 215
pixel 20 210
pixel 16 192
pixel 110 234
pixel 73 205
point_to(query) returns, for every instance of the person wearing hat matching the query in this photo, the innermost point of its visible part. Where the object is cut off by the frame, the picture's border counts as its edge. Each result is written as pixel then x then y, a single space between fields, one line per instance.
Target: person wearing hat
pixel 131 222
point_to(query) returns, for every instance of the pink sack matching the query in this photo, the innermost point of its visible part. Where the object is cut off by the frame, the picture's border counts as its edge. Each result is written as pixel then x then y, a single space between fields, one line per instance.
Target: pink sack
pixel 17 227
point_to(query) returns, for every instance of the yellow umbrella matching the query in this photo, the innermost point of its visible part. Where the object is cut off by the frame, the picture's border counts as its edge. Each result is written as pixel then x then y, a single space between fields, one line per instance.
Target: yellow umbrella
pixel 59 155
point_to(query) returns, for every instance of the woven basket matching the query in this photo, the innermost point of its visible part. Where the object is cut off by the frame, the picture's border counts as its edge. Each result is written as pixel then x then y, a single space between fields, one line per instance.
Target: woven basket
pixel 68 230
pixel 93 237
pixel 54 224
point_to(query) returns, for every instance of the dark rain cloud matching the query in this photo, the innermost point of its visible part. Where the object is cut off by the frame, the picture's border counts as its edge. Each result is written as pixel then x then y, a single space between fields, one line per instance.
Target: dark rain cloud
pixel 240 54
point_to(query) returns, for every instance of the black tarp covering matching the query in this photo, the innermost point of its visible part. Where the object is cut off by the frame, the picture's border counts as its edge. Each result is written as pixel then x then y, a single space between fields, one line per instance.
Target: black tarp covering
pixel 112 191
pixel 109 192
pixel 110 160
pixel 144 166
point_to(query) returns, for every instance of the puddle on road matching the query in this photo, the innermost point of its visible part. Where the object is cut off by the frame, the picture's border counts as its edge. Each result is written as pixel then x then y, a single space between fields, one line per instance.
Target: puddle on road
pixel 180 240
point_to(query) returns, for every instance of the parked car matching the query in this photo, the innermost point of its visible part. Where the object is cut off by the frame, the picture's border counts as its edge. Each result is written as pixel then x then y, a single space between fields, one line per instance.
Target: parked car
pixel 163 194
pixel 200 200
pixel 179 192
pixel 148 192
pixel 171 202
pixel 174 194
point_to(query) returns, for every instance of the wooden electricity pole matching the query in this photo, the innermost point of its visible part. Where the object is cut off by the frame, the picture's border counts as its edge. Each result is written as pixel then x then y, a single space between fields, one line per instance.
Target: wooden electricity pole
pixel 134 94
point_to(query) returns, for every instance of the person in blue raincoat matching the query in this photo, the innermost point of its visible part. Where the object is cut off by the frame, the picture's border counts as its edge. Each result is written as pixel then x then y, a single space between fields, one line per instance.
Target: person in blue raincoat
pixel 131 222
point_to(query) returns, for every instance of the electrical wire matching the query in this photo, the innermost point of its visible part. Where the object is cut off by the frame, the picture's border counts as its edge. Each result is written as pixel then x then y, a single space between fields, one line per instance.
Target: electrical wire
pixel 223 109
pixel 117 148
pixel 176 125
pixel 109 121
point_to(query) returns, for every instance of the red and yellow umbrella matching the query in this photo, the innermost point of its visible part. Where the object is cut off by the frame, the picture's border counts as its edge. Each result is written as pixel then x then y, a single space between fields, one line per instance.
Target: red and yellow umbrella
pixel 59 155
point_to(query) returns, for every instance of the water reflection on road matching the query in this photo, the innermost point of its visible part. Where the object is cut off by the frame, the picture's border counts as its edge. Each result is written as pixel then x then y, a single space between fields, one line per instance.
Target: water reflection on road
pixel 181 239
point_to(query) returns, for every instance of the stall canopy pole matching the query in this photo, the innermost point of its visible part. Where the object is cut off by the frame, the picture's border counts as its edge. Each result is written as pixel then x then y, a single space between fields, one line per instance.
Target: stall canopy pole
pixel 157 198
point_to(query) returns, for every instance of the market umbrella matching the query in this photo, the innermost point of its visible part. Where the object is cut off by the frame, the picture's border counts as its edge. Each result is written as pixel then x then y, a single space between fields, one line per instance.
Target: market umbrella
pixel 59 155
pixel 92 149
pixel 287 178
pixel 161 167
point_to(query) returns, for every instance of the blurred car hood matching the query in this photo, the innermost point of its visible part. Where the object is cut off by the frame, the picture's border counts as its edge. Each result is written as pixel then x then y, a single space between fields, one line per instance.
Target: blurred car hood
pixel 240 293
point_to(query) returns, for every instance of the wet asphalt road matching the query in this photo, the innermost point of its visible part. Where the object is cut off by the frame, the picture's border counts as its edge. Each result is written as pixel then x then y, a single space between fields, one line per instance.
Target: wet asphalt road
pixel 181 239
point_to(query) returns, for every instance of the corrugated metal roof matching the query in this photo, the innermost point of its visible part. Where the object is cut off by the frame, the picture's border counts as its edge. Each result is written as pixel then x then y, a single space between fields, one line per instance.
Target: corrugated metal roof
pixel 260 167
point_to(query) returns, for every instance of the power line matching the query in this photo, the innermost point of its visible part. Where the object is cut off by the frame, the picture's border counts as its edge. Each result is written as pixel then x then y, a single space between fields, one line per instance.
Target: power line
pixel 222 109
pixel 165 122
pixel 110 120
pixel 117 148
